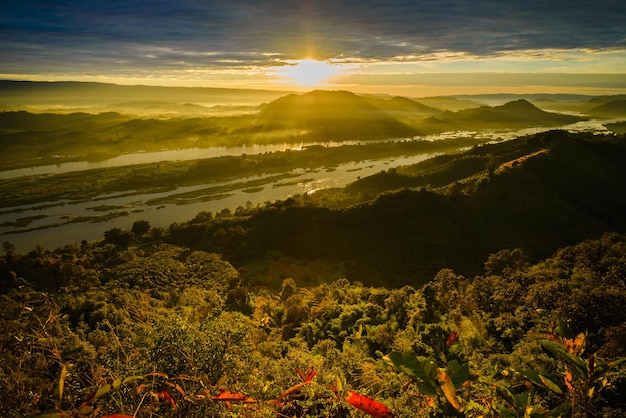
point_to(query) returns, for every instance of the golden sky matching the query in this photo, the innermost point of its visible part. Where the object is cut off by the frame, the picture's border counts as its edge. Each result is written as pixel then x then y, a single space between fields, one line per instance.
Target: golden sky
pixel 417 48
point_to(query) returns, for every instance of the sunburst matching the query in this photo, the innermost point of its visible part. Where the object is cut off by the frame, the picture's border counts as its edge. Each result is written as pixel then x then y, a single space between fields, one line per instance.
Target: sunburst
pixel 309 72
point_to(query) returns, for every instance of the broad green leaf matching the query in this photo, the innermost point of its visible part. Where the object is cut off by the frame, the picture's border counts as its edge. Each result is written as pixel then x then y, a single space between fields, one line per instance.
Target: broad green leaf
pixel 552 347
pixel 458 373
pixel 551 385
pixel 417 367
pixel 531 375
pixel 430 369
pixel 540 380
pixel 425 389
pixel 423 372
pixel 521 400
pixel 556 349
pixel 506 394
pixel 562 411
pixel 117 383
pixel 563 330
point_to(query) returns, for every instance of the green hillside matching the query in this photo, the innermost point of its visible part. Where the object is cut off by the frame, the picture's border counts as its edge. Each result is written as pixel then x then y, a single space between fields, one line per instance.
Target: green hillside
pixel 537 193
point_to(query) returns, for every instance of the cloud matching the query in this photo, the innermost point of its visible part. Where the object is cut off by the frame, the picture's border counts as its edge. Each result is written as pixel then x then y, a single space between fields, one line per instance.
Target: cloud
pixel 152 35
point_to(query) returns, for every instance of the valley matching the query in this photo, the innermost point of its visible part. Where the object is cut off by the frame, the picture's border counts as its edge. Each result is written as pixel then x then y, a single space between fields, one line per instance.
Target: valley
pixel 58 161
pixel 163 263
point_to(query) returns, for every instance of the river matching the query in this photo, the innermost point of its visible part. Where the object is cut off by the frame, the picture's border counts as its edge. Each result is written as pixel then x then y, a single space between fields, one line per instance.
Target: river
pixel 58 223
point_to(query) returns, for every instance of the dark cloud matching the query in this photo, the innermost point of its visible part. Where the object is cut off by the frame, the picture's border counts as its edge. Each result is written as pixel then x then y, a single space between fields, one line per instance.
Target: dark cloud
pixel 43 35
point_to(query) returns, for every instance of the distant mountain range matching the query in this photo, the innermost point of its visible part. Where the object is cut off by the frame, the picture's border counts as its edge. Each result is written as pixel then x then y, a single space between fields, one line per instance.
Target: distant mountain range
pixel 516 114
pixel 165 119
pixel 87 94
pixel 345 115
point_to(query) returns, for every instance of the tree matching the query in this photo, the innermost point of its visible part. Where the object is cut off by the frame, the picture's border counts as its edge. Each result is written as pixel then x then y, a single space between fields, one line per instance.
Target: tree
pixel 118 237
pixel 9 248
pixel 140 227
pixel 506 262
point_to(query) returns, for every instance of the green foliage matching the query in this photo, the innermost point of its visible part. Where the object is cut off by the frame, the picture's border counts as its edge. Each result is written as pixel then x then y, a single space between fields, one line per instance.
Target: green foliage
pixel 188 324
pixel 140 228
pixel 527 206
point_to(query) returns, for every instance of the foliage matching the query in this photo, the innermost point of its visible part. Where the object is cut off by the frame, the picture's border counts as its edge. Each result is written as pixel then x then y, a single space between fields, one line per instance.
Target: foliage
pixel 406 224
pixel 146 328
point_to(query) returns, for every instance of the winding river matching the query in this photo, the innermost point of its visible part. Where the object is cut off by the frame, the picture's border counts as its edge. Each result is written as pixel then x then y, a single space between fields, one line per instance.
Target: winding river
pixel 58 223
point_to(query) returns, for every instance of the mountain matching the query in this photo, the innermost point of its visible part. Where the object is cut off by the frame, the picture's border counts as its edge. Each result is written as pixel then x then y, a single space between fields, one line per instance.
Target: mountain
pixel 85 94
pixel 501 98
pixel 612 109
pixel 452 104
pixel 516 114
pixel 328 115
pixel 26 121
pixel 404 106
pixel 599 100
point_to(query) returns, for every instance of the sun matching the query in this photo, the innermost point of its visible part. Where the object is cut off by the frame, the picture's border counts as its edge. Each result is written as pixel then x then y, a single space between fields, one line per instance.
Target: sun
pixel 308 72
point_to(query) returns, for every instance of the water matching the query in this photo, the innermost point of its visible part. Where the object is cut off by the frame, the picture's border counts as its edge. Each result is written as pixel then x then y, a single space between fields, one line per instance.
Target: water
pixel 154 157
pixel 59 232
pixel 120 210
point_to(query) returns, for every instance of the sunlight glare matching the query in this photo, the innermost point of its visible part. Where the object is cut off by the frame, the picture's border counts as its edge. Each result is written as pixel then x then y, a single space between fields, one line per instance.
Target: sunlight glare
pixel 308 72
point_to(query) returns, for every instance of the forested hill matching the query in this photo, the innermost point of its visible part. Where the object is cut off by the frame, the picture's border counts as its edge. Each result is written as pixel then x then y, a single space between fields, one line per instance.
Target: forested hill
pixel 331 114
pixel 538 193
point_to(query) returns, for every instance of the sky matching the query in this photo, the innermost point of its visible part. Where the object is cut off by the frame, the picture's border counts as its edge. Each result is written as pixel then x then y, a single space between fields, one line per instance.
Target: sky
pixel 409 47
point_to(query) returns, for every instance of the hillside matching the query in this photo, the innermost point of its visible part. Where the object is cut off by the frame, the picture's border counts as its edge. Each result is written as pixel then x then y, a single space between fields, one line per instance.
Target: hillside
pixel 450 103
pixel 330 115
pixel 537 193
pixel 515 114
pixel 612 109
pixel 401 106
